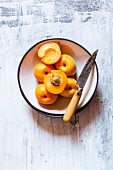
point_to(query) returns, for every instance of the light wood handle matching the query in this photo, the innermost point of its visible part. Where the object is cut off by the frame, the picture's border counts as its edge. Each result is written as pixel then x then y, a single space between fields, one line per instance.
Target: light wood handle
pixel 72 106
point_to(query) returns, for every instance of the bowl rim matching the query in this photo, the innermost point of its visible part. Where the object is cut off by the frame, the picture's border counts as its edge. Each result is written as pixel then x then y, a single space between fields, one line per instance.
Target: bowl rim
pixel 24 96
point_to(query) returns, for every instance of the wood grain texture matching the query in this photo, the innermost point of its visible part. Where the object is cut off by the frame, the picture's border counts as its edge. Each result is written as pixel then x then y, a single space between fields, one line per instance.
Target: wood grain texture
pixel 29 140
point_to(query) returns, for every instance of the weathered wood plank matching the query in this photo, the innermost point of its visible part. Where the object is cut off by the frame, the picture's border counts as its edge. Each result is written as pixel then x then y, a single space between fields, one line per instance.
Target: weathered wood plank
pixel 29 140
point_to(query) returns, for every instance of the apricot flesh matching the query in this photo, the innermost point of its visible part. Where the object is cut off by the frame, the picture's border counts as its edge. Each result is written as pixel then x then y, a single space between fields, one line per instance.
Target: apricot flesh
pixel 55 82
pixel 49 53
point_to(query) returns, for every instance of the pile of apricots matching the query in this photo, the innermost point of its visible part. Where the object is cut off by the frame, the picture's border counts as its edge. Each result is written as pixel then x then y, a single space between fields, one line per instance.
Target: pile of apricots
pixel 54 74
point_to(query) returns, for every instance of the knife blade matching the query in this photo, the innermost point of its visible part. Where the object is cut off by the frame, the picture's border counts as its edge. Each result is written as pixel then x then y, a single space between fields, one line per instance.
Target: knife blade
pixel 81 83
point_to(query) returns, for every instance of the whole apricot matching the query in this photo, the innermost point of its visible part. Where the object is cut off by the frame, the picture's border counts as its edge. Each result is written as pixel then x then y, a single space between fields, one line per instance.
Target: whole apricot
pixel 44 96
pixel 70 88
pixel 66 64
pixel 41 69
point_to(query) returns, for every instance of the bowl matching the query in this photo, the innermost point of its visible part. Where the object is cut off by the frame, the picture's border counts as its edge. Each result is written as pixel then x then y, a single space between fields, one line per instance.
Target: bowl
pixel 27 82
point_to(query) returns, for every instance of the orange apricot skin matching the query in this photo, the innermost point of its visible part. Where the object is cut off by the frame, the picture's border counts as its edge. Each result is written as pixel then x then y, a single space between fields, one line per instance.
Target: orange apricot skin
pixel 40 70
pixel 70 88
pixel 52 88
pixel 49 53
pixel 66 64
pixel 44 96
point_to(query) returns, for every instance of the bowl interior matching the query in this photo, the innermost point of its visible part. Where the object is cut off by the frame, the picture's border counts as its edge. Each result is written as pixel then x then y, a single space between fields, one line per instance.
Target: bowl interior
pixel 28 82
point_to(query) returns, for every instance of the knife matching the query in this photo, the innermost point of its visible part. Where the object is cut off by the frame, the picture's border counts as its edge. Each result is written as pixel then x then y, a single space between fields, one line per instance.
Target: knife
pixel 71 109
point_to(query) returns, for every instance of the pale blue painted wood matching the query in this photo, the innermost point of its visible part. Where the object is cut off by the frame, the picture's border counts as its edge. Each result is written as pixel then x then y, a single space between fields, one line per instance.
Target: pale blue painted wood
pixel 28 140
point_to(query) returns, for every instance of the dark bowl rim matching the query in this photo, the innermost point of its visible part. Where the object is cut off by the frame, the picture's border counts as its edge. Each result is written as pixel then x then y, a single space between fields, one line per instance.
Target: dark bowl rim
pixel 24 96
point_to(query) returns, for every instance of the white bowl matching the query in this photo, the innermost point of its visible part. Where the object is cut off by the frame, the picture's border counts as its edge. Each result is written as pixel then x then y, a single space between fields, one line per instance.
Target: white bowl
pixel 27 82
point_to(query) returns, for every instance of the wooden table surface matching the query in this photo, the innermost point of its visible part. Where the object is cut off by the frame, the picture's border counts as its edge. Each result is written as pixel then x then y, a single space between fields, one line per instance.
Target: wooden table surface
pixel 29 140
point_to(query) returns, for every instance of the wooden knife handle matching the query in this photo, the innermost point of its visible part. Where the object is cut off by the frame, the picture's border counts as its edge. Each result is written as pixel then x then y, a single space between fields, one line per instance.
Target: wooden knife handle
pixel 72 106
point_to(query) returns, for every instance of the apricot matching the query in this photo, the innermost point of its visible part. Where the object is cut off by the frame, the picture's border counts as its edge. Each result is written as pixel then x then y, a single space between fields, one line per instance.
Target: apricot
pixel 55 82
pixel 66 64
pixel 44 96
pixel 70 88
pixel 49 53
pixel 40 70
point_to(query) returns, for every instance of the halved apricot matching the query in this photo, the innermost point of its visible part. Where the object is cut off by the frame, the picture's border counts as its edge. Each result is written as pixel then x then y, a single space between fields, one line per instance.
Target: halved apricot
pixel 70 88
pixel 55 82
pixel 66 64
pixel 49 53
pixel 41 69
pixel 44 96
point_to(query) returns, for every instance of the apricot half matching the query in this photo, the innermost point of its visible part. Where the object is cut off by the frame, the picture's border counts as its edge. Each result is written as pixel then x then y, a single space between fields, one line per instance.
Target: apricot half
pixel 66 64
pixel 70 88
pixel 44 96
pixel 49 53
pixel 55 82
pixel 40 70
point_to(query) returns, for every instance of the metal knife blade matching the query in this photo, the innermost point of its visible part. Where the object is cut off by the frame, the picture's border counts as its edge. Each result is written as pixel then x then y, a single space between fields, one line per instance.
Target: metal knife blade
pixel 86 70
